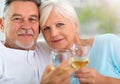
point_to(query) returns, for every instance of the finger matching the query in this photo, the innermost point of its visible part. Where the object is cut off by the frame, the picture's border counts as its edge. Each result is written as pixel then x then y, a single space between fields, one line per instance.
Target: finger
pixel 86 69
pixel 81 75
pixel 66 81
pixel 66 69
pixel 85 76
pixel 64 64
pixel 83 70
pixel 86 72
pixel 62 67
pixel 65 78
pixel 83 81
pixel 48 69
pixel 61 79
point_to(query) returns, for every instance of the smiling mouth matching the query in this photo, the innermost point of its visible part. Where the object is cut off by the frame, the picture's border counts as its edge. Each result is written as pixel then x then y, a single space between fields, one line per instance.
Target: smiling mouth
pixel 57 41
pixel 24 35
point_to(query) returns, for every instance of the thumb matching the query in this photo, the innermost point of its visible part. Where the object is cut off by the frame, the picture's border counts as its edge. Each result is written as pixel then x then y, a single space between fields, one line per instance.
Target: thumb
pixel 48 69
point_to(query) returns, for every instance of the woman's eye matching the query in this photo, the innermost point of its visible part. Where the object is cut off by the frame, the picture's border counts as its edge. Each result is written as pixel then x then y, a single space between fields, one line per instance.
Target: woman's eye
pixel 60 24
pixel 46 29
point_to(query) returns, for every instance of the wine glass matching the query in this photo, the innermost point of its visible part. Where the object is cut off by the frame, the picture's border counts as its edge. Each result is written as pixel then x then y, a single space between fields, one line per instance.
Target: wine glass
pixel 80 57
pixel 77 54
pixel 59 56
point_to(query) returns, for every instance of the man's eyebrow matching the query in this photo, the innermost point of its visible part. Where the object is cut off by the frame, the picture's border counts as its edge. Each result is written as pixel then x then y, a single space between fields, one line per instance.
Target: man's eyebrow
pixel 36 16
pixel 15 15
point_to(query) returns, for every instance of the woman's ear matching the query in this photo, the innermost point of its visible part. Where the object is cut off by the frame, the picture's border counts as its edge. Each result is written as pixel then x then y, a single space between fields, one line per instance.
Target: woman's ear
pixel 76 25
pixel 1 25
pixel 77 38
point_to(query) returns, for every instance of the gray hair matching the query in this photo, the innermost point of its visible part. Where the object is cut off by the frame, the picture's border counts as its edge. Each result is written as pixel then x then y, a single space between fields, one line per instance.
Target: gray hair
pixel 8 2
pixel 63 8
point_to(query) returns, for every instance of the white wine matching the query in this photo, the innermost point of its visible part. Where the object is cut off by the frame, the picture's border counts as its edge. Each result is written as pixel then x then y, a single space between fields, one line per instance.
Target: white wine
pixel 79 63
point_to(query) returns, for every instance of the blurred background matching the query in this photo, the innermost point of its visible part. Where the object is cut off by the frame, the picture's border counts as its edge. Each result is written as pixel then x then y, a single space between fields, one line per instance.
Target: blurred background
pixel 95 16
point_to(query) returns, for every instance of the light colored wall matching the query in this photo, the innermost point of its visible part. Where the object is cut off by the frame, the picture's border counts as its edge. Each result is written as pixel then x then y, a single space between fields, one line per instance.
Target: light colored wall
pixel 1 7
pixel 1 10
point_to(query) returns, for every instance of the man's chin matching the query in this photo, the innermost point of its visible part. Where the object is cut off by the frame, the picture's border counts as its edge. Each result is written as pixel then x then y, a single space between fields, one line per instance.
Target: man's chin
pixel 26 46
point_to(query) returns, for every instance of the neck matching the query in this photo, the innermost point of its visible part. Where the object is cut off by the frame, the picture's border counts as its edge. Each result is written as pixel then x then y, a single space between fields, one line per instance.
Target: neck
pixel 85 42
pixel 18 47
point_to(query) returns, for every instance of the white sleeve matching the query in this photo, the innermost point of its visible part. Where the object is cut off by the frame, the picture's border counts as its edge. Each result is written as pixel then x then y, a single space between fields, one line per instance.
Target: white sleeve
pixel 1 67
pixel 1 60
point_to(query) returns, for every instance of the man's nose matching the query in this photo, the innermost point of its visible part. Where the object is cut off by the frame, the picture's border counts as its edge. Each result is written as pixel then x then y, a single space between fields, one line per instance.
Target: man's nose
pixel 26 24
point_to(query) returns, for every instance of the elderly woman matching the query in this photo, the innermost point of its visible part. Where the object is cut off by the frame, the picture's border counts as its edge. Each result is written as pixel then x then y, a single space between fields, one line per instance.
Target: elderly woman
pixel 59 25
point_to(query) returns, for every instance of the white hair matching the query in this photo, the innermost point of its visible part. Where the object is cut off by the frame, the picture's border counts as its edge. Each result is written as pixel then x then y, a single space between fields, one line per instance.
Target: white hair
pixel 61 7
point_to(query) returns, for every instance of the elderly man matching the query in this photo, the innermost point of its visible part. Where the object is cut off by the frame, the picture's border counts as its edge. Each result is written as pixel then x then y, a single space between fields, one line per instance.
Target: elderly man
pixel 22 60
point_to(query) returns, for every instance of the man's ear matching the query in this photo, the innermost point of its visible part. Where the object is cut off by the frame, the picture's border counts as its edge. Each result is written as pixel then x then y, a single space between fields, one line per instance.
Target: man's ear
pixel 1 24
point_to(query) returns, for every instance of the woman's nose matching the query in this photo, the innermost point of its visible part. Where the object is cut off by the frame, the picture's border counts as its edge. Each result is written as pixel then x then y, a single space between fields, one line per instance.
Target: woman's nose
pixel 54 31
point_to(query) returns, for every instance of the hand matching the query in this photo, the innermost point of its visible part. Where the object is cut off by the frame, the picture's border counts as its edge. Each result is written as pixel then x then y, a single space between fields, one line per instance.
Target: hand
pixel 60 75
pixel 88 76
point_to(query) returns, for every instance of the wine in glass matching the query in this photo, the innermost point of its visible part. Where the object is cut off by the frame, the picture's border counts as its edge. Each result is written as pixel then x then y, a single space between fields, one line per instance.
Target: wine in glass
pixel 80 56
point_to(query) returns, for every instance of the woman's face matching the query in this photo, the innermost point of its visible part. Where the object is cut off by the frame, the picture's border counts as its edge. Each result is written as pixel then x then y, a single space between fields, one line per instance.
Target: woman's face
pixel 59 31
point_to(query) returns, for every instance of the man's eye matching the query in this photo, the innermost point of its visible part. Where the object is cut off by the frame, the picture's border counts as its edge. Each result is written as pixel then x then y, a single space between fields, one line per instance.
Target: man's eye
pixel 33 19
pixel 60 24
pixel 17 19
pixel 46 29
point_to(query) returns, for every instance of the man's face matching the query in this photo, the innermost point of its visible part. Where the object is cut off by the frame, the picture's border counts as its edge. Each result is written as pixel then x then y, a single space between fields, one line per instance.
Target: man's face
pixel 21 25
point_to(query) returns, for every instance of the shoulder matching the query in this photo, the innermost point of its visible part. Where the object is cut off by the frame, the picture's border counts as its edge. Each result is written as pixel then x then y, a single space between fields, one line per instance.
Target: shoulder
pixel 43 51
pixel 106 41
pixel 107 37
pixel 43 47
pixel 109 41
pixel 42 44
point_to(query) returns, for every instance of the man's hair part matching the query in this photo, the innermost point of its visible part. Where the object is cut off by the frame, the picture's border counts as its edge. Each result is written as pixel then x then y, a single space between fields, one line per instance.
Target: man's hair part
pixel 8 2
